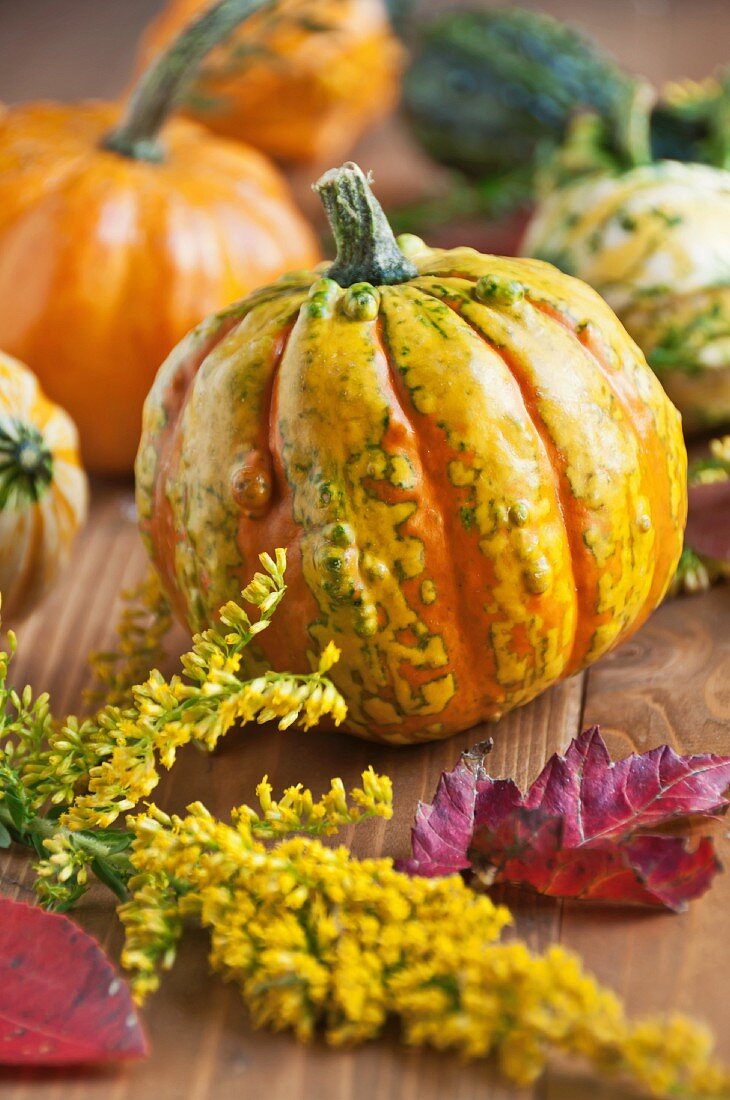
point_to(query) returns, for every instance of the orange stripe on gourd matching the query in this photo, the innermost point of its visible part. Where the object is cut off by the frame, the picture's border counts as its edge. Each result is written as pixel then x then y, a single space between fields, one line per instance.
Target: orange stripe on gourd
pixel 486 459
pixel 663 465
pixel 213 493
pixel 157 459
pixel 595 459
pixel 640 394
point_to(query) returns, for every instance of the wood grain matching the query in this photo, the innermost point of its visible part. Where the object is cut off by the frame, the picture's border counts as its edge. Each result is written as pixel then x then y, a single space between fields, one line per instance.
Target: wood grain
pixel 670 684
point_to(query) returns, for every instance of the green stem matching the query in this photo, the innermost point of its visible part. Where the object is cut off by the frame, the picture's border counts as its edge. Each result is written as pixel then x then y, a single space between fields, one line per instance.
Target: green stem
pixel 26 464
pixel 44 828
pixel 719 124
pixel 367 251
pixel 633 126
pixel 163 84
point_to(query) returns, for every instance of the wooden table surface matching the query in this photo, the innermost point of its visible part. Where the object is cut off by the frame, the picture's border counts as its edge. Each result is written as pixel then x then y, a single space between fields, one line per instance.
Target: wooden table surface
pixel 669 684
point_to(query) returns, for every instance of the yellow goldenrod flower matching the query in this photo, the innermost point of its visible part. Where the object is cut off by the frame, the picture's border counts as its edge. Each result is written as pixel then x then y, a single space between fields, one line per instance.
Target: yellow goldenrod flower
pixel 316 939
pixel 105 766
pixel 297 812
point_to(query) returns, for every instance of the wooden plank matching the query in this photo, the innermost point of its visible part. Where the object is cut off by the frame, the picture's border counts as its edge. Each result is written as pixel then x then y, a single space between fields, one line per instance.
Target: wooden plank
pixel 202 1045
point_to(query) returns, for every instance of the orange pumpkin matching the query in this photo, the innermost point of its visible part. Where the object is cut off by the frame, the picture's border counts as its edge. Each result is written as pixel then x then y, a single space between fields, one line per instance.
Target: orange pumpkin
pixel 300 82
pixel 113 243
pixel 480 483
pixel 43 490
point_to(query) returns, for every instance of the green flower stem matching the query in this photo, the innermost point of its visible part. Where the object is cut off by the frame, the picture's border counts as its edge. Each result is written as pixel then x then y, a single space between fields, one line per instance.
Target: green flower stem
pixel 633 126
pixel 163 84
pixel 63 785
pixel 34 832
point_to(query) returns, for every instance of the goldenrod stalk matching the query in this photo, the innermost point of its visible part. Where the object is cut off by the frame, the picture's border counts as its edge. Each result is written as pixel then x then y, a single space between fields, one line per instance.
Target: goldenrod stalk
pixel 64 784
pixel 318 940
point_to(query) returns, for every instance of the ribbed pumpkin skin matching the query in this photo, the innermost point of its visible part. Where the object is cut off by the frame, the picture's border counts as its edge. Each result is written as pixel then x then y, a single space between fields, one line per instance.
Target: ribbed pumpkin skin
pixel 301 83
pixel 106 262
pixel 655 242
pixel 477 499
pixel 36 536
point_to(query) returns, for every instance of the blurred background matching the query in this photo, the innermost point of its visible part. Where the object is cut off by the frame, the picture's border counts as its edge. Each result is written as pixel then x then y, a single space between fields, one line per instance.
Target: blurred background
pixel 71 49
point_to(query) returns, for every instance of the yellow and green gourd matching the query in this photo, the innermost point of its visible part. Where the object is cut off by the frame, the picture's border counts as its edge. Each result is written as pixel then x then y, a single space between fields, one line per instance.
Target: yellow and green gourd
pixel 480 484
pixel 653 239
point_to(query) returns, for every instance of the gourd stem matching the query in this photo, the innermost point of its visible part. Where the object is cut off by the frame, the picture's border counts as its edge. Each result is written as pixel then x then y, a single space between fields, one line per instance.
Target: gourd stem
pixel 719 124
pixel 633 127
pixel 26 464
pixel 163 84
pixel 367 251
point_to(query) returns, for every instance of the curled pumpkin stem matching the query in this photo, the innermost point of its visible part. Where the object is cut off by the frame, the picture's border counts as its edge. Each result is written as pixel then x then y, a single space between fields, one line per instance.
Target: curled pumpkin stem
pixel 367 251
pixel 161 87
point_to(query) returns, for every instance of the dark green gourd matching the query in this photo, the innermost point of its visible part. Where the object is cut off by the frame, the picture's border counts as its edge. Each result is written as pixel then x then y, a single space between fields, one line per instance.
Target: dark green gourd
pixel 485 89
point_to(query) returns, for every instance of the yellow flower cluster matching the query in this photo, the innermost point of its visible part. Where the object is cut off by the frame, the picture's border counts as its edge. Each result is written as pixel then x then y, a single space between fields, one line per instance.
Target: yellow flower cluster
pixel 63 784
pixel 297 812
pixel 103 767
pixel 315 938
pixel 25 722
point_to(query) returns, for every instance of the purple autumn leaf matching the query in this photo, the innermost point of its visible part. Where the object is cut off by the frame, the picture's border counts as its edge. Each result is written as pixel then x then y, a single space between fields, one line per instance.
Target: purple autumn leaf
pixel 586 828
pixel 443 829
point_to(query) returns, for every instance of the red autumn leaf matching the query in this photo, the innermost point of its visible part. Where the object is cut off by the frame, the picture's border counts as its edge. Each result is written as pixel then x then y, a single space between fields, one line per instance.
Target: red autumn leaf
pixel 61 1002
pixel 586 828
pixel 444 828
pixel 708 522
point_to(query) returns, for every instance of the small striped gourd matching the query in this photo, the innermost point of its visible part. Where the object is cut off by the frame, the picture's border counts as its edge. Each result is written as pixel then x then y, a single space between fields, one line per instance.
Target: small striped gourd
pixel 43 490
